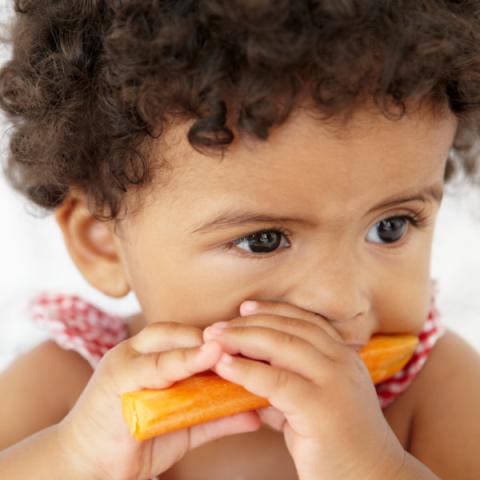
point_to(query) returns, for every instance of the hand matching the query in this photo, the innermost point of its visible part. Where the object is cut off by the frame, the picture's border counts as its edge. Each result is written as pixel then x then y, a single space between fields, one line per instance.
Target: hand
pixel 94 433
pixel 322 396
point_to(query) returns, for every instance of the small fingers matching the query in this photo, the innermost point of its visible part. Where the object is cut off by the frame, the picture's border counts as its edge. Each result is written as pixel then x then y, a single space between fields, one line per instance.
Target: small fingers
pixel 285 390
pixel 288 310
pixel 291 327
pixel 272 417
pixel 281 350
pixel 163 336
pixel 231 425
pixel 162 369
pixel 161 354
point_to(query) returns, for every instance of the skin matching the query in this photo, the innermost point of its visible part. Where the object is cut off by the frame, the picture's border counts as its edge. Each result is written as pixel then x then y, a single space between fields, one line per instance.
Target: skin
pixel 337 270
pixel 340 254
pixel 303 171
pixel 330 287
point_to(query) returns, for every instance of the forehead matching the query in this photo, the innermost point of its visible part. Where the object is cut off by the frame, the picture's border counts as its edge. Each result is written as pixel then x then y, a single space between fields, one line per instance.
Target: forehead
pixel 304 161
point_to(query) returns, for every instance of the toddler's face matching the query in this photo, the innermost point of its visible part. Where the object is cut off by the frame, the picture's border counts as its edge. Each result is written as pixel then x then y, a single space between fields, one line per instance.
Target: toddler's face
pixel 357 211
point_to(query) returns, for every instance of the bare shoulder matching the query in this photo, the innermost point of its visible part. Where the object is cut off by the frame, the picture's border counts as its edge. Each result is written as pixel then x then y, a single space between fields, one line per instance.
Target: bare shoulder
pixel 38 389
pixel 445 432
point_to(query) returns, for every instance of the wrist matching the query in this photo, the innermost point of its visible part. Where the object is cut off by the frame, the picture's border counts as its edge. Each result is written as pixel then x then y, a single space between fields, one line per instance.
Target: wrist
pixel 46 454
pixel 413 469
pixel 401 465
pixel 72 463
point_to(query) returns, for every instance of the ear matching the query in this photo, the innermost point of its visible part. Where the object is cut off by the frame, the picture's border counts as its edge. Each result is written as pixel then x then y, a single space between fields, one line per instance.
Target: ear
pixel 92 246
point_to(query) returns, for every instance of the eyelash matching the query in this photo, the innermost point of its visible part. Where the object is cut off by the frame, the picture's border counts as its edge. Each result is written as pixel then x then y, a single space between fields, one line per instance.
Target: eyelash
pixel 418 219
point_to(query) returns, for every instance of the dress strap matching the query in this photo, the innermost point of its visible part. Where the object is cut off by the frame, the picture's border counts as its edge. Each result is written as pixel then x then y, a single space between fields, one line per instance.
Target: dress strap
pixel 77 325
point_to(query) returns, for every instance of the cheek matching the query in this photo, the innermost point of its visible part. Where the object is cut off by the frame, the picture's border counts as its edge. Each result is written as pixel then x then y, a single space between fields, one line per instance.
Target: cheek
pixel 171 285
pixel 403 300
pixel 407 312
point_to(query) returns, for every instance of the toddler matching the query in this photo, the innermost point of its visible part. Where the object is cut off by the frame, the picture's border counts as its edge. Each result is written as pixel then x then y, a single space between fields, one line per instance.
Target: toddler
pixel 265 177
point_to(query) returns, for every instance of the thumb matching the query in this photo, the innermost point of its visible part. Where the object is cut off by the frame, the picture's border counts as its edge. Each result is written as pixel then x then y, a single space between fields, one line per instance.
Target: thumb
pixel 222 427
pixel 272 417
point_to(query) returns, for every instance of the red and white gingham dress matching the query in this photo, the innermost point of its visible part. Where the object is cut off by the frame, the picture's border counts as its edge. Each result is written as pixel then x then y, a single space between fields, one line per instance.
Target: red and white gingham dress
pixel 77 325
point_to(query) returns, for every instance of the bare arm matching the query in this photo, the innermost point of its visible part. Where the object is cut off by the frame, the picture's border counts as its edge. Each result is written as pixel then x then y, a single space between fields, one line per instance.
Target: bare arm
pixel 38 390
pixel 446 427
pixel 41 455
pixel 446 421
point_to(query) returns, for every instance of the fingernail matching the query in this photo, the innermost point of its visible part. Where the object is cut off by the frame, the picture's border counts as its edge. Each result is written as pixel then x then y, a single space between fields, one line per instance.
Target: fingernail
pixel 248 307
pixel 216 328
pixel 226 358
pixel 203 350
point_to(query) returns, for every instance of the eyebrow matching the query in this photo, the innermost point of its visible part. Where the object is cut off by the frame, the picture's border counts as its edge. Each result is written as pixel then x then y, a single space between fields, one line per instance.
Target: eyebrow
pixel 233 217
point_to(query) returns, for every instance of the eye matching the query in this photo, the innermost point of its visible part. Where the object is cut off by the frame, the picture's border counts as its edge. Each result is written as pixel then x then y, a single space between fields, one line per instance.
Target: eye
pixel 389 230
pixel 264 241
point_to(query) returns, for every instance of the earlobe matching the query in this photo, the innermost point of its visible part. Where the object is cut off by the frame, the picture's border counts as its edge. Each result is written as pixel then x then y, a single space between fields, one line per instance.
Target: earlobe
pixel 92 246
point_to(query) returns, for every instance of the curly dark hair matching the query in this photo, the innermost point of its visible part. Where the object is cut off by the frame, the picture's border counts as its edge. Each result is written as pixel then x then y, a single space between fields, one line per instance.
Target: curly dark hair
pixel 91 81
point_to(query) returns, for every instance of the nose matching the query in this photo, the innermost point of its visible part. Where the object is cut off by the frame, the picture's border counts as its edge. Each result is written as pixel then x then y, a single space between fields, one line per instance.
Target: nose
pixel 336 288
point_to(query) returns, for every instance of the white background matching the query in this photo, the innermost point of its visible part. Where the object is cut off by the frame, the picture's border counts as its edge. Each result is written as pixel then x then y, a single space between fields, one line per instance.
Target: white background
pixel 33 258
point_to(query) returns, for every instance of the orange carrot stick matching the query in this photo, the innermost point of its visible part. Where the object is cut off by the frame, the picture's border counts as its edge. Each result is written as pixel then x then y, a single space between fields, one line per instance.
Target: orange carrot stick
pixel 206 396
pixel 385 355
